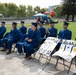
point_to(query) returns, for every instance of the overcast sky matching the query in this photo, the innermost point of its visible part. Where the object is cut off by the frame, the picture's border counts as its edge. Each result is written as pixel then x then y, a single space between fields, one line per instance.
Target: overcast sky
pixel 41 3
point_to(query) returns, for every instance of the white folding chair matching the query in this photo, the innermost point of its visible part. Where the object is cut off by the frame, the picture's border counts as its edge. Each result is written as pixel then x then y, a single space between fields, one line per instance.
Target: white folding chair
pixel 48 47
pixel 65 53
pixel 70 56
pixel 60 51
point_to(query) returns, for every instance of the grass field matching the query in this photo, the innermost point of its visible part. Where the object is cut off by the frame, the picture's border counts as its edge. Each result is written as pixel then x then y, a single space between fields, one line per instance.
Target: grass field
pixel 59 26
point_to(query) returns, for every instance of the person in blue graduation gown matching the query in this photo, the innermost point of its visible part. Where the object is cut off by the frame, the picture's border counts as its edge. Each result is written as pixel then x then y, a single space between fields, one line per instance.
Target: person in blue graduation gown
pixel 42 31
pixel 52 31
pixel 33 41
pixel 23 29
pixel 65 34
pixel 20 44
pixel 12 37
pixel 2 29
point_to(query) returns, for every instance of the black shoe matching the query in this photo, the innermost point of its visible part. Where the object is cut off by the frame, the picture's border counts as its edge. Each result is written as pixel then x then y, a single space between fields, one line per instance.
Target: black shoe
pixel 8 52
pixel 3 49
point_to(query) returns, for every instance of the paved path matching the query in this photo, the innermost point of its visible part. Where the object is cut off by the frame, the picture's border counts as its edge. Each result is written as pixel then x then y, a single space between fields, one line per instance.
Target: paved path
pixel 14 64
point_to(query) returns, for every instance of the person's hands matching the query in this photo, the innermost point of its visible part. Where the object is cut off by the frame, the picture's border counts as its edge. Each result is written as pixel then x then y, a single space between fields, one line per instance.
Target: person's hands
pixel 60 40
pixel 47 31
pixel 26 39
pixel 30 40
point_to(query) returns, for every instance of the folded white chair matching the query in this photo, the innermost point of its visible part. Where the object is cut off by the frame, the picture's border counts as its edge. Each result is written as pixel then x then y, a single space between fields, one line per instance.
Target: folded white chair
pixel 48 46
pixel 60 51
pixel 70 56
pixel 45 46
pixel 51 48
pixel 67 50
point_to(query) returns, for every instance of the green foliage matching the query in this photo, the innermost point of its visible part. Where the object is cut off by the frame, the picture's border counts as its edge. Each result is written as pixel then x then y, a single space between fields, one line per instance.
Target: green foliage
pixel 2 8
pixel 69 8
pixel 30 11
pixel 37 8
pixel 58 10
pixel 21 11
pixel 12 10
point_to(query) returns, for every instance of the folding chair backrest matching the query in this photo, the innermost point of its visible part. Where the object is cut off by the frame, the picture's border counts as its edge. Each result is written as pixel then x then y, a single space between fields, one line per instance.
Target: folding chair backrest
pixel 48 46
pixel 68 49
pixel 70 42
pixel 45 46
pixel 74 50
pixel 62 48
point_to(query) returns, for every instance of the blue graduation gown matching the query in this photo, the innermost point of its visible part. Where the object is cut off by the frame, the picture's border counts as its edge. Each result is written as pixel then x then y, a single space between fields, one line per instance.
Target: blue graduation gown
pixel 36 38
pixel 10 38
pixel 65 34
pixel 52 32
pixel 23 30
pixel 29 47
pixel 42 31
pixel 22 41
pixel 2 31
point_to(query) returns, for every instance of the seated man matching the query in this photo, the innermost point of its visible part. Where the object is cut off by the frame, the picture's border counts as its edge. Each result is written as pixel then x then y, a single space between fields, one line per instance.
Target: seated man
pixel 51 32
pixel 23 29
pixel 42 31
pixel 31 42
pixel 2 30
pixel 64 34
pixel 22 41
pixel 10 38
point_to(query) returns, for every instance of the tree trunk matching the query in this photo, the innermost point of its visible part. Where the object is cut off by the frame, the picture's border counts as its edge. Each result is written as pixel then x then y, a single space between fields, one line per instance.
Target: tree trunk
pixel 67 18
pixel 73 17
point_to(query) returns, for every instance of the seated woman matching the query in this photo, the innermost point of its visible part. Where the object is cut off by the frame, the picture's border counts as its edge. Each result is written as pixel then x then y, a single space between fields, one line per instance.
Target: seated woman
pixel 31 42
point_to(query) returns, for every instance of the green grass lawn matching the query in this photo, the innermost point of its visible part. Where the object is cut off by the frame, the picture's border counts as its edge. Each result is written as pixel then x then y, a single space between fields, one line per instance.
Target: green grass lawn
pixel 59 26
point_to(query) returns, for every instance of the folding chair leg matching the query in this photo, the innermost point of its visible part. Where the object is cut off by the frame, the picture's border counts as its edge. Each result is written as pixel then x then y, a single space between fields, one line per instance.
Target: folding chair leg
pixel 69 67
pixel 64 64
pixel 14 48
pixel 75 61
pixel 46 58
pixel 39 57
pixel 50 59
pixel 34 55
pixel 57 62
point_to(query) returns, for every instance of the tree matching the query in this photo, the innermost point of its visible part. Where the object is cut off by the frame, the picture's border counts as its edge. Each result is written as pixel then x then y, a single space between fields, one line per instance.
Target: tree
pixel 69 8
pixel 37 8
pixel 21 11
pixel 2 8
pixel 12 10
pixel 58 10
pixel 43 10
pixel 30 11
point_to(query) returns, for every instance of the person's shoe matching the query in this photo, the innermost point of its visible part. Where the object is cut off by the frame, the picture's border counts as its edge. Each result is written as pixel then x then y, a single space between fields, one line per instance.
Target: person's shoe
pixel 19 53
pixel 8 52
pixel 28 58
pixel 3 49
